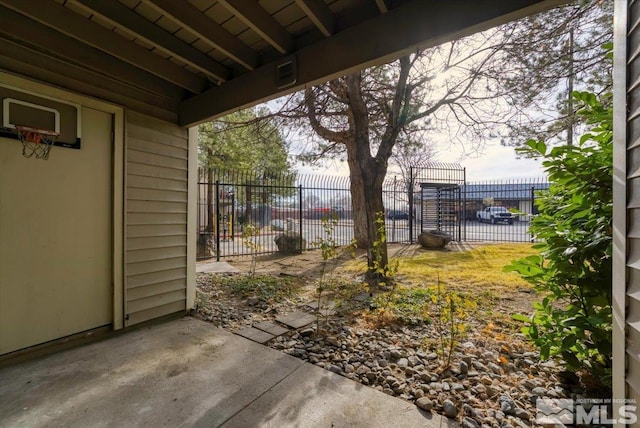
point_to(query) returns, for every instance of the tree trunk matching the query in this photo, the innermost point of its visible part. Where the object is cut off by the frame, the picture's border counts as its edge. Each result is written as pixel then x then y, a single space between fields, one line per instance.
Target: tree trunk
pixel 358 205
pixel 367 177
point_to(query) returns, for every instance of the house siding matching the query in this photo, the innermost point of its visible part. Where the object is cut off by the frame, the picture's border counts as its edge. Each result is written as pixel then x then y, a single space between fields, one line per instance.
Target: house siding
pixel 157 158
pixel 627 200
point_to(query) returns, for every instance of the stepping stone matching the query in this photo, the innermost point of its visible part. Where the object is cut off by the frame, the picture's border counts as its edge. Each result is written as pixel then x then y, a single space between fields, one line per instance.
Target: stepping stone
pixel 216 267
pixel 297 319
pixel 271 328
pixel 361 297
pixel 256 335
pixel 324 305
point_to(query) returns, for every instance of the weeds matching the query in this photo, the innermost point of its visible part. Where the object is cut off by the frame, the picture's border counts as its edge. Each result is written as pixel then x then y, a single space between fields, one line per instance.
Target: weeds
pixel 384 270
pixel 451 311
pixel 407 306
pixel 330 253
pixel 265 288
pixel 249 240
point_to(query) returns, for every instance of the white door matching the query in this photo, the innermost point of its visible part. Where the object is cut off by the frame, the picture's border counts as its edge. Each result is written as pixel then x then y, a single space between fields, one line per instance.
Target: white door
pixel 56 238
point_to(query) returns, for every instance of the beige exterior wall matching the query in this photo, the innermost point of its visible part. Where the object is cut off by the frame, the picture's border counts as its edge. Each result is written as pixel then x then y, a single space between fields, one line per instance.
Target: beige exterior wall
pixel 626 221
pixel 147 257
pixel 61 230
pixel 157 199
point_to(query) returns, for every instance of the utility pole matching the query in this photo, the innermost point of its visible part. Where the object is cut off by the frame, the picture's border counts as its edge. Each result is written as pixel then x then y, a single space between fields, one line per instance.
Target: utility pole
pixel 570 89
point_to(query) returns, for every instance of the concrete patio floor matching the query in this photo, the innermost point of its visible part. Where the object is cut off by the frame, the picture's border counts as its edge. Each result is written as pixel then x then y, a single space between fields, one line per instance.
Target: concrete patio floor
pixel 185 373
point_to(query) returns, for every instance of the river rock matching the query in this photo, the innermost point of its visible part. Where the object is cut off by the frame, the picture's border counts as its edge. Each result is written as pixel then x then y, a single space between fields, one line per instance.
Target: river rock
pixel 449 409
pixel 424 403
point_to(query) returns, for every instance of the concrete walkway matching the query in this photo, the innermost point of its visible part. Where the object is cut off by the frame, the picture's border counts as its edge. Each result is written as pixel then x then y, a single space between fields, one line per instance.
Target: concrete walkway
pixel 215 267
pixel 187 373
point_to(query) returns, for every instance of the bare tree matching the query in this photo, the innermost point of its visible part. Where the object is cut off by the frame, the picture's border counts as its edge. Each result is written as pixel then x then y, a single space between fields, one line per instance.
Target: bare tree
pixel 473 89
pixel 365 116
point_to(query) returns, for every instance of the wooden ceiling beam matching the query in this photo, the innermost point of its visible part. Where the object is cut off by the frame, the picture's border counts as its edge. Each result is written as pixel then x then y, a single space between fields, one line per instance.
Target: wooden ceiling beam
pixel 401 31
pixel 195 21
pixel 27 62
pixel 70 23
pixel 320 14
pixel 18 27
pixel 122 16
pixel 252 14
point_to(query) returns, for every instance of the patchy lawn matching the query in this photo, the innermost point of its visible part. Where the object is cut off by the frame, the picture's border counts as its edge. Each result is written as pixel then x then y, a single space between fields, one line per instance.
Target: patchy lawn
pixel 479 267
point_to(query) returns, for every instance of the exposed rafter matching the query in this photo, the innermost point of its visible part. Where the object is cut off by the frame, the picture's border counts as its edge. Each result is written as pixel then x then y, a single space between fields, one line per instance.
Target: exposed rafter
pixel 320 14
pixel 192 59
pixel 70 23
pixel 198 23
pixel 121 15
pixel 261 22
pixel 418 24
pixel 17 58
pixel 18 27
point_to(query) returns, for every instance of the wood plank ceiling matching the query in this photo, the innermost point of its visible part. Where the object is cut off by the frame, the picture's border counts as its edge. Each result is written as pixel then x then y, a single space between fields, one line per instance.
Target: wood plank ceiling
pixel 187 61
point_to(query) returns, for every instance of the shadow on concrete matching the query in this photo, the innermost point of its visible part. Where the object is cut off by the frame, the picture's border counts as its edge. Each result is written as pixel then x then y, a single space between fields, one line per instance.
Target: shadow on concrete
pixel 188 373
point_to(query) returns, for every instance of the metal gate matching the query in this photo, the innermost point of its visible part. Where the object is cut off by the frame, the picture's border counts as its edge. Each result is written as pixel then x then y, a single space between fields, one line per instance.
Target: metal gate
pixel 438 202
pixel 441 207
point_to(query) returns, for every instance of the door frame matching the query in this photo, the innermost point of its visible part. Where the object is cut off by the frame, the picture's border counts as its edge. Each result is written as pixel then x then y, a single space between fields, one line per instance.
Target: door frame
pixel 118 179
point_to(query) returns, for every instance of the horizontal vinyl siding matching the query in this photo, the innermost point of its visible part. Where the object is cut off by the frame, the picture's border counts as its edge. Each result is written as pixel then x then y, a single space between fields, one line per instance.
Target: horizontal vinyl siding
pixel 156 219
pixel 633 205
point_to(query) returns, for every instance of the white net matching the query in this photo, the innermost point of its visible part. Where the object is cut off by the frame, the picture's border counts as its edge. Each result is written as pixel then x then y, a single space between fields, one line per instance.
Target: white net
pixel 36 142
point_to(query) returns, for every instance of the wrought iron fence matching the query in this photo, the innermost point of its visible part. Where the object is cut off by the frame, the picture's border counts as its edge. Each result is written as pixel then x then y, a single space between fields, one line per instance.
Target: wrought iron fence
pixel 233 203
pixel 243 212
pixel 501 210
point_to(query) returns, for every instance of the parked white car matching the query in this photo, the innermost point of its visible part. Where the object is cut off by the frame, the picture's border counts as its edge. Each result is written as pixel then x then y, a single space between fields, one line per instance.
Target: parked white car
pixel 494 215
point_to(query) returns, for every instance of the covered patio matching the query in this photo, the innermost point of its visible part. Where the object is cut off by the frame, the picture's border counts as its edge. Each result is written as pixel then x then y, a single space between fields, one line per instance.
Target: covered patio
pixel 139 76
pixel 186 372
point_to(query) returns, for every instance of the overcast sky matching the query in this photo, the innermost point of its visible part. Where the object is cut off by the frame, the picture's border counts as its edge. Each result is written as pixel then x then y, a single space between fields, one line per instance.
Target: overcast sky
pixel 496 162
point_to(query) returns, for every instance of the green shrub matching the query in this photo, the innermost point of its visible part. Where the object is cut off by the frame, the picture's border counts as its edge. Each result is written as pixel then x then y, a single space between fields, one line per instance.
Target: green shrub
pixel 573 272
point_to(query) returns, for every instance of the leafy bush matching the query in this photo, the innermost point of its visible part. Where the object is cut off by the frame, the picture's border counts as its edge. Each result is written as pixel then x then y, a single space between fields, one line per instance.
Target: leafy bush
pixel 573 321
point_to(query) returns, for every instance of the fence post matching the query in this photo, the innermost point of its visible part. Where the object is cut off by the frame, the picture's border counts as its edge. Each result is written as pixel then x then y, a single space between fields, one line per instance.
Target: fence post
pixel 533 204
pixel 393 221
pixel 217 211
pixel 300 215
pixel 411 207
pixel 464 202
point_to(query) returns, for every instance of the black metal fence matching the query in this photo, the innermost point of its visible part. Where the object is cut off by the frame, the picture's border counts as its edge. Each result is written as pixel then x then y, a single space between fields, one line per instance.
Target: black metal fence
pixel 243 212
pixel 501 211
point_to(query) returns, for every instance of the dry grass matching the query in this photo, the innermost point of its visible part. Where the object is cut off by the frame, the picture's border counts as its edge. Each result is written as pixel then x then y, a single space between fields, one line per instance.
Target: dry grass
pixel 478 268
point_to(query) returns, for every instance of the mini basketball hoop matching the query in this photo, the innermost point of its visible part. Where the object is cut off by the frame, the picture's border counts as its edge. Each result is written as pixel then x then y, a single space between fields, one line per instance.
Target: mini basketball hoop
pixel 36 142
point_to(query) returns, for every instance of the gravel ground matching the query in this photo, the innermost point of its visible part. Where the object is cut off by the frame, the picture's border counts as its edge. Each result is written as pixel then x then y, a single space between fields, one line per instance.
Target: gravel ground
pixel 493 379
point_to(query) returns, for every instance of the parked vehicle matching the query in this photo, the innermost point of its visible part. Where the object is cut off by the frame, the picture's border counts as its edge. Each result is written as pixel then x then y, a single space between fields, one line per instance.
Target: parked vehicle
pixel 397 215
pixel 495 215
